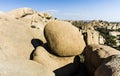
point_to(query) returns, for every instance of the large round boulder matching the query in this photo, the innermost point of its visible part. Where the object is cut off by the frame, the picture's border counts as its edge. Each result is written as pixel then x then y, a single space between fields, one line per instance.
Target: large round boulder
pixel 63 38
pixel 110 67
pixel 23 68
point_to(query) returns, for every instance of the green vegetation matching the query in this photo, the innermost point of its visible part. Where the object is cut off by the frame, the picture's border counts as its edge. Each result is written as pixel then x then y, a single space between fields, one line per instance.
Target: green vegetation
pixel 110 40
pixel 82 58
pixel 118 30
pixel 79 24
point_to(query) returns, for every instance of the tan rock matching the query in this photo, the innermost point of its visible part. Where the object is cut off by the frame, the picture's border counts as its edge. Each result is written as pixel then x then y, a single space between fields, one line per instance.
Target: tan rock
pixel 36 26
pixel 63 38
pixel 92 37
pixel 62 66
pixel 23 68
pixel 110 67
pixel 42 56
pixel 95 55
pixel 21 12
pixel 34 19
pixel 15 39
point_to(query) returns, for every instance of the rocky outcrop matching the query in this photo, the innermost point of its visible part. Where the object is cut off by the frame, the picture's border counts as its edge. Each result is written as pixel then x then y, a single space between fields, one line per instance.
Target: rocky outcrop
pixel 66 65
pixel 22 38
pixel 95 55
pixel 91 37
pixel 23 68
pixel 53 62
pixel 35 20
pixel 15 39
pixel 30 16
pixel 110 67
pixel 63 38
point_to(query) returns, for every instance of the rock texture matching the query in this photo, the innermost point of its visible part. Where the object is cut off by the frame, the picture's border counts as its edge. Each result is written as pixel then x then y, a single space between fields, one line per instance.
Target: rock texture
pixel 110 67
pixel 63 38
pixel 22 39
pixel 42 56
pixel 23 68
pixel 15 39
pixel 35 20
pixel 93 37
pixel 31 16
pixel 95 55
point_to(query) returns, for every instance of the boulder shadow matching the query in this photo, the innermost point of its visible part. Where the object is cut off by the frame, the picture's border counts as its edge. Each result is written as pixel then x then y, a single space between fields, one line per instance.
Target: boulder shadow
pixel 46 46
pixel 73 69
pixel 35 43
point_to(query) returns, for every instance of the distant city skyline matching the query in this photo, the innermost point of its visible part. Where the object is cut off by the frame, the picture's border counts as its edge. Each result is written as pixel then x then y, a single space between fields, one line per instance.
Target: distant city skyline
pixel 108 10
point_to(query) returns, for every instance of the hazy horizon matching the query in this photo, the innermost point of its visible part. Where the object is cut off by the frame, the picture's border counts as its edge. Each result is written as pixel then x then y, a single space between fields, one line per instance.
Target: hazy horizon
pixel 107 10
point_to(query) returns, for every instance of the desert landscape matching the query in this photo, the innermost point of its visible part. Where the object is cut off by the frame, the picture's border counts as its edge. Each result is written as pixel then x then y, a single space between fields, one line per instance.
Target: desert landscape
pixel 37 44
pixel 71 42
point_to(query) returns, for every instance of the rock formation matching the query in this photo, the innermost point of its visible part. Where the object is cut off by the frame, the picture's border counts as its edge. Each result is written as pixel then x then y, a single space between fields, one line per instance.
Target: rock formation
pixel 15 39
pixel 110 67
pixel 60 65
pixel 23 68
pixel 95 55
pixel 34 19
pixel 65 43
pixel 91 37
pixel 34 44
pixel 63 38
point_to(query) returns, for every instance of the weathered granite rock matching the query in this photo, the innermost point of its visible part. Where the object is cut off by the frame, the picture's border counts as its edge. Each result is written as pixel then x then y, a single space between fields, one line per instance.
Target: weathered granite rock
pixel 15 39
pixel 35 20
pixel 95 55
pixel 93 37
pixel 110 67
pixel 62 66
pixel 63 38
pixel 23 68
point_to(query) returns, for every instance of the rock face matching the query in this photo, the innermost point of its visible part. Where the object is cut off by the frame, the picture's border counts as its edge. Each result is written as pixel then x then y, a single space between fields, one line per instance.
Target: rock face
pixel 95 55
pixel 15 39
pixel 63 38
pixel 110 67
pixel 23 68
pixel 42 56
pixel 93 37
pixel 35 20
pixel 31 17
pixel 62 66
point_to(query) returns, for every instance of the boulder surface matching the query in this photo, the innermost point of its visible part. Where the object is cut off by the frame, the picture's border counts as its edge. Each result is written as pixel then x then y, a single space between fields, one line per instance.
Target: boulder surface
pixel 23 68
pixel 96 54
pixel 15 39
pixel 110 67
pixel 63 38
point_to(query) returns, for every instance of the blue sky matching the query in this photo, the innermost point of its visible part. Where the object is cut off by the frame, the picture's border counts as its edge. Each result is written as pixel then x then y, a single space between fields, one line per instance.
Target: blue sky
pixel 108 10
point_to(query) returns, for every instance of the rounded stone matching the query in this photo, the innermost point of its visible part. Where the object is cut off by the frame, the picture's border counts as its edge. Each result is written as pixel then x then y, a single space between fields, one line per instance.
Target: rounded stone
pixel 63 38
